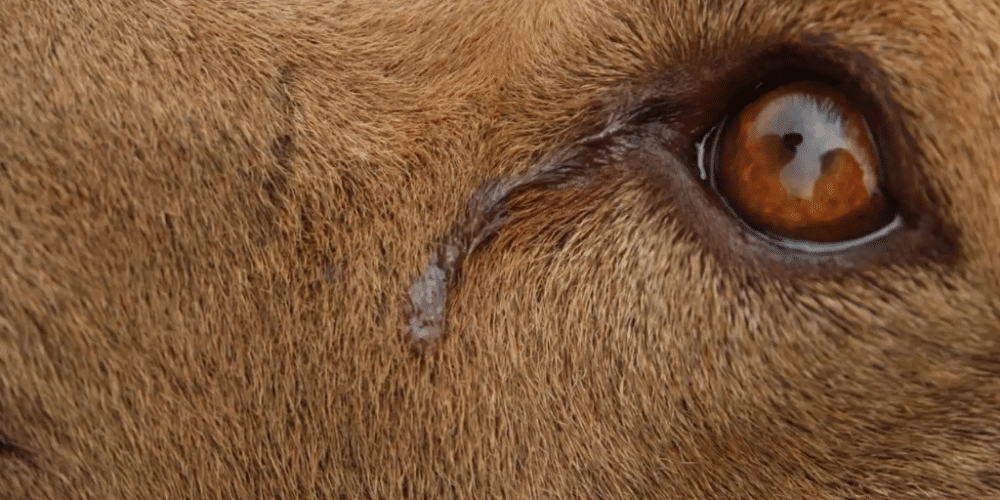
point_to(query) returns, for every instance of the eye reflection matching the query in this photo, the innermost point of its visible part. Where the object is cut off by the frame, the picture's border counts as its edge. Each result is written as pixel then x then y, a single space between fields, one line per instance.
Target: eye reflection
pixel 800 163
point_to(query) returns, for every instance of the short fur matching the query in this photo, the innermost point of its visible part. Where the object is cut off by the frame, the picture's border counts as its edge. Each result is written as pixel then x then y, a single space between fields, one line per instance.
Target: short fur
pixel 211 214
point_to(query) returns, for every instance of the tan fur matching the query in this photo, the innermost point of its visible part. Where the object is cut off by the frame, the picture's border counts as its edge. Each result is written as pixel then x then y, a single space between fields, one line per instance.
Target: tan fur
pixel 211 213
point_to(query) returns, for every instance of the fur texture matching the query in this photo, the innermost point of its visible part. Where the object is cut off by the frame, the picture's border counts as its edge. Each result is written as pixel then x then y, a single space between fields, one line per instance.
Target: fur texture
pixel 211 214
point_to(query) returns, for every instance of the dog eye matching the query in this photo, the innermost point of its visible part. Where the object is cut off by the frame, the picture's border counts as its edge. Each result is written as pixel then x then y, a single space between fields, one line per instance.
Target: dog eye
pixel 800 167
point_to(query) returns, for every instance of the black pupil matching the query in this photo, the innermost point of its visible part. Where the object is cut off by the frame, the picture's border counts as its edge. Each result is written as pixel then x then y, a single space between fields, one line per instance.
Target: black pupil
pixel 792 140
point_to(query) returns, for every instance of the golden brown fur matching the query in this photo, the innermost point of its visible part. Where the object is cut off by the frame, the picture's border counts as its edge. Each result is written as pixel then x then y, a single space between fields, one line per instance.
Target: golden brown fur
pixel 211 213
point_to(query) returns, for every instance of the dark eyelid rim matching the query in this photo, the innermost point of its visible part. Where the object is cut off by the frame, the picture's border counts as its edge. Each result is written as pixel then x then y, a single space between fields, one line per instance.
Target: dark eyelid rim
pixel 686 100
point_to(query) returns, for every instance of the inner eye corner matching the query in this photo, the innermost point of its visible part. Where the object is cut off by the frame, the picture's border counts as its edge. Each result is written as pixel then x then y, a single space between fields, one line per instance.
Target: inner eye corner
pixel 797 161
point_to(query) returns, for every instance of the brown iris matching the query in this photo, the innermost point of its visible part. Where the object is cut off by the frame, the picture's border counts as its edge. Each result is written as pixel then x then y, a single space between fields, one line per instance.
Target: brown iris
pixel 800 163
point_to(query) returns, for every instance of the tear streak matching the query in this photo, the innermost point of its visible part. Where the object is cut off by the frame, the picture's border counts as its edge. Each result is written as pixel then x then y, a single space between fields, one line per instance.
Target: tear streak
pixel 484 215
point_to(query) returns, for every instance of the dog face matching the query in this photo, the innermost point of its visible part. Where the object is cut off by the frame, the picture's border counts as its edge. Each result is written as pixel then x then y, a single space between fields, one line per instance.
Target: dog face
pixel 443 249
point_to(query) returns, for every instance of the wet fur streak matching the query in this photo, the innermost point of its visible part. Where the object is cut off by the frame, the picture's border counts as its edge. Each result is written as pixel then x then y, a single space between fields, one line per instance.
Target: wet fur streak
pixel 486 213
pixel 225 227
